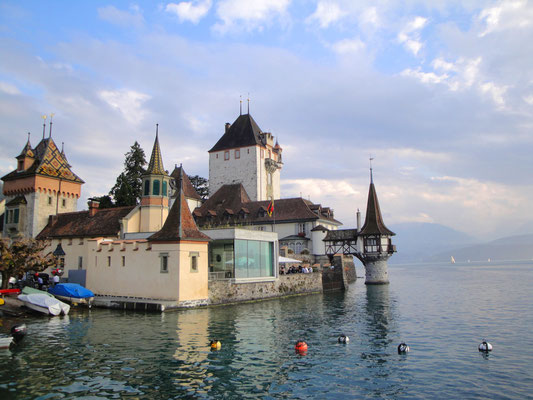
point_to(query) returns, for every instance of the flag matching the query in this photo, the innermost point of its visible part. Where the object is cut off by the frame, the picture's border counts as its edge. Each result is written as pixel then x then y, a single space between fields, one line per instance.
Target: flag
pixel 270 208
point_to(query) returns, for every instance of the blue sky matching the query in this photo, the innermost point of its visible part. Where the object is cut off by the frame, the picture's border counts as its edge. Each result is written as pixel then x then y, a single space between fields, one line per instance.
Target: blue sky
pixel 440 93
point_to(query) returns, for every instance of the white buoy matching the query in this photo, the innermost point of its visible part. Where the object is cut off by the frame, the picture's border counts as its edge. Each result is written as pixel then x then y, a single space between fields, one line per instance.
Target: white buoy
pixel 403 348
pixel 343 339
pixel 485 346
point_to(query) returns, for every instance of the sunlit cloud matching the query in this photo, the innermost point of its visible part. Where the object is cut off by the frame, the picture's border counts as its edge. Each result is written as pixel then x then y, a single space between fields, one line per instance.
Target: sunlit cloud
pixel 192 11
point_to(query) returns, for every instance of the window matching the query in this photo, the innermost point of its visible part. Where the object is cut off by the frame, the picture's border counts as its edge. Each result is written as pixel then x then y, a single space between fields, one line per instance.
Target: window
pixel 80 262
pixel 108 261
pixel 21 165
pixel 164 262
pixel 156 187
pixel 301 228
pixel 49 200
pixel 194 260
pixel 146 187
pixel 164 191
pixel 226 155
pixel 16 216
pixel 248 151
pixel 123 261
pixel 237 154
pixel 254 259
pixel 217 155
pixel 64 203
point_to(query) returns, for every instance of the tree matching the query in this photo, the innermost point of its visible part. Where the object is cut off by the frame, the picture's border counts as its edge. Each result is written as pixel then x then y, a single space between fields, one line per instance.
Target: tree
pixel 201 185
pixel 128 187
pixel 105 201
pixel 21 256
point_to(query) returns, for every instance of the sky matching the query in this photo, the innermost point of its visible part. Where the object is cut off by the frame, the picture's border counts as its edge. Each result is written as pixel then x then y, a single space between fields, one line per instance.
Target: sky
pixel 438 93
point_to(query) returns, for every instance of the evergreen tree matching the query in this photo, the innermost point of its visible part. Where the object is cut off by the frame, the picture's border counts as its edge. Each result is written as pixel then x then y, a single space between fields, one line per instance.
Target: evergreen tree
pixel 128 187
pixel 201 185
pixel 105 201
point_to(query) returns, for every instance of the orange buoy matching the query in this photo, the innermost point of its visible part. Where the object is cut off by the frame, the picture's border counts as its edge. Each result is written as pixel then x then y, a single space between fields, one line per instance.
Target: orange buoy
pixel 300 347
pixel 215 345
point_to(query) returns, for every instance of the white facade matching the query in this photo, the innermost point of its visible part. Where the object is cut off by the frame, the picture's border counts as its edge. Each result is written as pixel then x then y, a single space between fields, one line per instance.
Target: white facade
pixel 251 166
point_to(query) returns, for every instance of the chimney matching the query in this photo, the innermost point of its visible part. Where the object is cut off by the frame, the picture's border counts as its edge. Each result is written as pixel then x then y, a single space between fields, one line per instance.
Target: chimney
pixel 93 207
pixel 227 126
pixel 358 214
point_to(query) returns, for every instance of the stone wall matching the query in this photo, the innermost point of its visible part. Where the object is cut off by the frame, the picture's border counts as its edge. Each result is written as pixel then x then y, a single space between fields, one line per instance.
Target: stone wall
pixel 226 291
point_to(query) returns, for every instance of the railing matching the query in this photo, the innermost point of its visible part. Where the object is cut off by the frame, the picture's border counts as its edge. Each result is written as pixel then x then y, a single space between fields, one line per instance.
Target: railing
pixel 220 275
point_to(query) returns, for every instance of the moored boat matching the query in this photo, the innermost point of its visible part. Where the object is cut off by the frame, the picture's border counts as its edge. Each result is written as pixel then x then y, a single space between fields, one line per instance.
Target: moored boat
pixel 17 334
pixel 72 293
pixel 44 303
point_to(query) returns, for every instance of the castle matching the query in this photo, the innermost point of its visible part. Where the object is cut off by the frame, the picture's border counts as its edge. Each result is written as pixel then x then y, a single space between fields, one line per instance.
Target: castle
pixel 171 239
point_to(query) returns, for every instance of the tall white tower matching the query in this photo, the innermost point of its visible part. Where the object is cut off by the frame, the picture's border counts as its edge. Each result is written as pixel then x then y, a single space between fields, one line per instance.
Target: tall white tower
pixel 246 155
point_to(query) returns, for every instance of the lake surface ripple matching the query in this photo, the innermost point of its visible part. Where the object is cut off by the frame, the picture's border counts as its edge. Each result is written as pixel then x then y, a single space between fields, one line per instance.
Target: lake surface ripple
pixel 442 312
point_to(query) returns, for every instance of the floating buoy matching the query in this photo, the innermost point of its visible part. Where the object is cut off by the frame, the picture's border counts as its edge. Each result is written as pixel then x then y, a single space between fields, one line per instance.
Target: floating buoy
pixel 485 346
pixel 403 348
pixel 343 338
pixel 215 344
pixel 300 347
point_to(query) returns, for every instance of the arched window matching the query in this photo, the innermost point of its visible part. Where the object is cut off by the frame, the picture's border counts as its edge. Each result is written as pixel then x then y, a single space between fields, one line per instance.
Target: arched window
pixel 156 188
pixel 164 188
pixel 146 187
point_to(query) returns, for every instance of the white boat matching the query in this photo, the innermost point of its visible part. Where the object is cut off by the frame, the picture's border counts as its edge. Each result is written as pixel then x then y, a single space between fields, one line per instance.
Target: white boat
pixel 452 260
pixel 5 342
pixel 44 304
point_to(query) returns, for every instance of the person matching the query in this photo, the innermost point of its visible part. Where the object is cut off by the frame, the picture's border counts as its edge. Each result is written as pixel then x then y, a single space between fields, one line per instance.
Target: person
pixel 40 282
pixel 304 270
pixel 56 279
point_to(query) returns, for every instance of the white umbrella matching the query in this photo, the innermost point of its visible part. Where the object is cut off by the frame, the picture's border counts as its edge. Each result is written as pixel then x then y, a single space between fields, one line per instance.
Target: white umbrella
pixel 288 260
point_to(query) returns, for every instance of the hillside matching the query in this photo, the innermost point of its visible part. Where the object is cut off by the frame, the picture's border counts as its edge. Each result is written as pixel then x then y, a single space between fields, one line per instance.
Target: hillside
pixel 418 241
pixel 518 247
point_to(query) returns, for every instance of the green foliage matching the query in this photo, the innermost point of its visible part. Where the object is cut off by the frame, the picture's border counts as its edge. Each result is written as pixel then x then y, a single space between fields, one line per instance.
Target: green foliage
pixel 105 201
pixel 22 255
pixel 201 185
pixel 128 187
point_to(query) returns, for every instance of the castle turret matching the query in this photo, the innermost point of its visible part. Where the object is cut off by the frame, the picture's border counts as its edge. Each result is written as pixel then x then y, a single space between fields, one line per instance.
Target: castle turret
pixel 376 241
pixel 155 197
pixel 42 184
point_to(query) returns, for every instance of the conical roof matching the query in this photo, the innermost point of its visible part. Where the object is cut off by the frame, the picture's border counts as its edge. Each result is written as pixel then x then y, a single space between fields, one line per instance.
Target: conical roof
pixel 243 132
pixel 179 224
pixel 374 221
pixel 155 166
pixel 27 150
pixel 188 188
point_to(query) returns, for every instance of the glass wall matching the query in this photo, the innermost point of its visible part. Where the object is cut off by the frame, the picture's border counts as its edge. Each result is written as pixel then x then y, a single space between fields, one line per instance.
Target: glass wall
pixel 253 259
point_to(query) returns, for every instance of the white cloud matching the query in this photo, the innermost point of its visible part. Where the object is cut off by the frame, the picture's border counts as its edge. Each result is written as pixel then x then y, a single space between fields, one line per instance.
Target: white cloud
pixel 9 88
pixel 370 16
pixel 347 46
pixel 409 36
pixel 122 18
pixel 507 15
pixel 249 15
pixel 496 92
pixel 424 77
pixel 128 102
pixel 192 11
pixel 326 13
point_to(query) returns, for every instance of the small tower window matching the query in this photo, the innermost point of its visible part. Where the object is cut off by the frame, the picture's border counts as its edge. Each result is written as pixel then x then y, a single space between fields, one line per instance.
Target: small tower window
pixel 156 188
pixel 64 203
pixel 237 153
pixel 21 165
pixel 164 188
pixel 146 187
pixel 49 200
pixel 164 262
pixel 226 155
pixel 16 216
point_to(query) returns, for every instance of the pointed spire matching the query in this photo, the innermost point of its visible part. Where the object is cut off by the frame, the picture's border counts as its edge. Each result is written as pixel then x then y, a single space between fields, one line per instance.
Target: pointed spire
pixel 44 124
pixel 51 116
pixel 240 104
pixel 374 224
pixel 155 166
pixel 248 103
pixel 27 151
pixel 371 177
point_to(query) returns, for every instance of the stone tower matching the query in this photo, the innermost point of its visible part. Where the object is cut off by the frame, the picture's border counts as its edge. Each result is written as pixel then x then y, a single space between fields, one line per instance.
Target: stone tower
pixel 156 192
pixel 42 185
pixel 246 155
pixel 376 241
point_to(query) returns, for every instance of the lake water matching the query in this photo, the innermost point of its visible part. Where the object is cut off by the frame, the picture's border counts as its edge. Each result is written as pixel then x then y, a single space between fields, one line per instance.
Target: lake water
pixel 443 313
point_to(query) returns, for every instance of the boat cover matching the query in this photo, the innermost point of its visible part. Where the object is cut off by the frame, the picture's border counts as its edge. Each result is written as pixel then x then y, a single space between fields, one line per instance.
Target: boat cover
pixel 71 290
pixel 53 305
pixel 30 290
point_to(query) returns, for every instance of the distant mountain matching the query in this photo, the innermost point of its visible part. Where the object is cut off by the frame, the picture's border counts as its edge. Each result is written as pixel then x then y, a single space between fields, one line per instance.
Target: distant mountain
pixel 418 241
pixel 518 247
